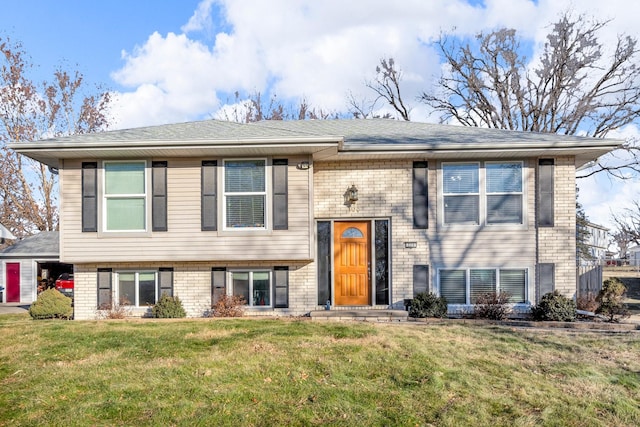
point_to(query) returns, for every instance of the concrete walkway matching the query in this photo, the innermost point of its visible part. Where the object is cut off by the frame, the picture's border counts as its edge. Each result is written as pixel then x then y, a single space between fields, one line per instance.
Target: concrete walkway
pixel 13 308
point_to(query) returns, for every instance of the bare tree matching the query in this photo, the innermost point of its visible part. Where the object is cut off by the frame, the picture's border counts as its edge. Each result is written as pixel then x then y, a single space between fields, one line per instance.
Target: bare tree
pixel 575 86
pixel 627 226
pixel 623 241
pixel 28 111
pixel 253 108
pixel 386 86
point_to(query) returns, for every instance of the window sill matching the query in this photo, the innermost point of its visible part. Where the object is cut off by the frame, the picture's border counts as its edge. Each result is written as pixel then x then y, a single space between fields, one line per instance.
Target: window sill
pixel 488 227
pixel 244 232
pixel 121 234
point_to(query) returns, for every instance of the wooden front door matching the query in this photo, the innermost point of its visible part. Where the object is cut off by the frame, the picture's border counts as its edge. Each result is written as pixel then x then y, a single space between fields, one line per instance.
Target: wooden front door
pixel 351 259
pixel 13 281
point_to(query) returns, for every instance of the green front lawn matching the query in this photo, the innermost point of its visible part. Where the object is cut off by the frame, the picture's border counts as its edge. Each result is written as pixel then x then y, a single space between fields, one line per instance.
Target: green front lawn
pixel 244 372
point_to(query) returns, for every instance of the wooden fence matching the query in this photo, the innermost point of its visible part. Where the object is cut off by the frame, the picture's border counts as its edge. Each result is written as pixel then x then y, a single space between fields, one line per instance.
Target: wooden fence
pixel 589 279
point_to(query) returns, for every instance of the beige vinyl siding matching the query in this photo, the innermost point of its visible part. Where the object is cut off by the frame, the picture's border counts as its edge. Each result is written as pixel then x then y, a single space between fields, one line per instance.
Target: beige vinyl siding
pixel 184 240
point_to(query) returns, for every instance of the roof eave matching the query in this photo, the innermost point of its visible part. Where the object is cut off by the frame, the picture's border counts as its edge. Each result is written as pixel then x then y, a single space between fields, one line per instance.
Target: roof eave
pixel 583 154
pixel 51 153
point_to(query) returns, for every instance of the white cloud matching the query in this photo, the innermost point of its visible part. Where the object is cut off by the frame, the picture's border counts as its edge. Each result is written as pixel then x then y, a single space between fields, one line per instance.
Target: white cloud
pixel 319 50
pixel 172 78
pixel 201 18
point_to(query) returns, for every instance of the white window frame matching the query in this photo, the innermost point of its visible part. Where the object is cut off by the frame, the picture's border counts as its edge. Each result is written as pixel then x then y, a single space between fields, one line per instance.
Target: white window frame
pixel 467 271
pixel 251 271
pixel 136 274
pixel 265 194
pixel 482 197
pixel 144 196
pixel 477 194
pixel 520 193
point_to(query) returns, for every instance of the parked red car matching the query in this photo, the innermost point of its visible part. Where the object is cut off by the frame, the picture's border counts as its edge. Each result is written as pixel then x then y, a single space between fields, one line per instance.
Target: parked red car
pixel 64 284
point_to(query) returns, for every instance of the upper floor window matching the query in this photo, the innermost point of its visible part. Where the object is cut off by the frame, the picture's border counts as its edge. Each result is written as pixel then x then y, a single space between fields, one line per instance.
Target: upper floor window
pixel 504 193
pixel 461 191
pixel 125 195
pixel 245 194
pixel 492 194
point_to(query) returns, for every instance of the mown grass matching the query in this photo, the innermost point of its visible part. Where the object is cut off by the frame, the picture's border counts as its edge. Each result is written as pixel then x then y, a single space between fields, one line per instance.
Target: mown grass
pixel 295 372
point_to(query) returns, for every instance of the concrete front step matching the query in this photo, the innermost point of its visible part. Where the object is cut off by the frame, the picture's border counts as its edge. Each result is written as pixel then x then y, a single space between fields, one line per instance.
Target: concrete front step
pixel 362 315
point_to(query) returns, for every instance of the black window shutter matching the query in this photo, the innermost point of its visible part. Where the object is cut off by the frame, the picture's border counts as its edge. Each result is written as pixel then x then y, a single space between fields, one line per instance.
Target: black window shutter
pixel 159 196
pixel 324 262
pixel 165 281
pixel 281 287
pixel 218 283
pixel 420 195
pixel 104 289
pixel 420 279
pixel 209 208
pixel 546 279
pixel 280 195
pixel 89 196
pixel 545 193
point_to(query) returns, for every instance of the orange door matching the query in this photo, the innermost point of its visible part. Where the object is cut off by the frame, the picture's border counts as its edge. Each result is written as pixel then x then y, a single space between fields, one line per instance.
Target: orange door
pixel 351 263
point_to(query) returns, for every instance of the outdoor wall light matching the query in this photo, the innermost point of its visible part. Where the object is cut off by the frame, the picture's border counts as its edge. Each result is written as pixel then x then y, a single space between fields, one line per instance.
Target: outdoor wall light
pixel 352 194
pixel 303 165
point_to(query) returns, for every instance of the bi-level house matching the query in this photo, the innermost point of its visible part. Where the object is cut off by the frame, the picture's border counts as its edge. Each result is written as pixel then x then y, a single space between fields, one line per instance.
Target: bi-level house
pixel 294 214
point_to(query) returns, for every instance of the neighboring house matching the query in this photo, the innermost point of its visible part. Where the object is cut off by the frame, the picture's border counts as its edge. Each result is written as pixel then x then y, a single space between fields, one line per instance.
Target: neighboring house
pixel 292 214
pixel 634 256
pixel 5 234
pixel 597 244
pixel 28 264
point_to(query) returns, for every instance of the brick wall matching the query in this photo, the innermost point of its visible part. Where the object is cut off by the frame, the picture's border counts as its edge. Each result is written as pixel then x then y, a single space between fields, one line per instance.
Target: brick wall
pixel 192 284
pixel 384 191
pixel 557 244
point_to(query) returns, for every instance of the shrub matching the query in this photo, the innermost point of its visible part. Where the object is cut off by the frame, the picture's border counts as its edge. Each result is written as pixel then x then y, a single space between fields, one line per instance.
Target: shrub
pixel 492 305
pixel 555 307
pixel 168 308
pixel 610 298
pixel 51 304
pixel 228 306
pixel 428 305
pixel 587 302
pixel 115 310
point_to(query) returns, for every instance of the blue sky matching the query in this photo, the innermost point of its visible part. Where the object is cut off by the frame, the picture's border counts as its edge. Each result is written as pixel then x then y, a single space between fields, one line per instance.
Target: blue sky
pixel 87 33
pixel 172 61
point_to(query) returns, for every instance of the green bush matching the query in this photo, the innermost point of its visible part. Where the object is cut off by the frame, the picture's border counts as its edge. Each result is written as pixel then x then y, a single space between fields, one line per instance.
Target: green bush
pixel 555 307
pixel 428 305
pixel 610 299
pixel 51 304
pixel 492 305
pixel 168 308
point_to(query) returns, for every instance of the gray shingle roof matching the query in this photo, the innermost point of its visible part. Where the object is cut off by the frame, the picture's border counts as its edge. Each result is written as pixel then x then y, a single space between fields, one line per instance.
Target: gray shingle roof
pixel 352 130
pixel 321 138
pixel 45 243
